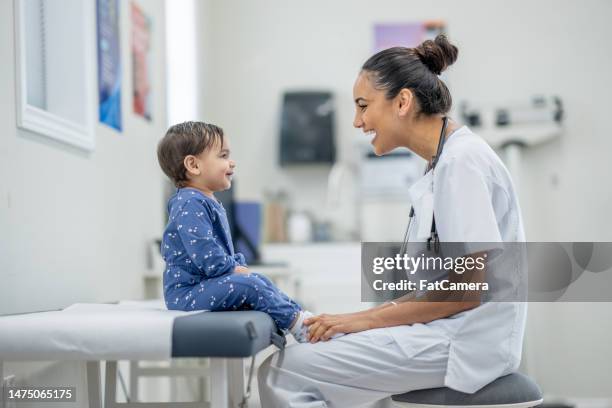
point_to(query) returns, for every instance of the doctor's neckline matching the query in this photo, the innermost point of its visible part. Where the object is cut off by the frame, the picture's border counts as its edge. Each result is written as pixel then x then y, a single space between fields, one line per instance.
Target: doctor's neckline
pixel 450 131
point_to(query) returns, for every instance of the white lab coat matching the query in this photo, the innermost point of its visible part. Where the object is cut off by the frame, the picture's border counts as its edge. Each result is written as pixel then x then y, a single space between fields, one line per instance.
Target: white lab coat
pixel 473 202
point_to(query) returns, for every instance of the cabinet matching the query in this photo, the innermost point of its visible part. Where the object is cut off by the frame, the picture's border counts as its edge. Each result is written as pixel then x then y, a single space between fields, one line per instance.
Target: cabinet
pixel 328 274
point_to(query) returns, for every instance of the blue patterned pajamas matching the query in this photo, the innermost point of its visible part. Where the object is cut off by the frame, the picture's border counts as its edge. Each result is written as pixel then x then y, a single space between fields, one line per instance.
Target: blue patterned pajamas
pixel 239 291
pixel 200 263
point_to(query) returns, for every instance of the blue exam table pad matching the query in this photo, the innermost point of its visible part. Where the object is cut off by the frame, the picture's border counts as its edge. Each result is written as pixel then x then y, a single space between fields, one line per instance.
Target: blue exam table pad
pixel 134 330
pixel 223 334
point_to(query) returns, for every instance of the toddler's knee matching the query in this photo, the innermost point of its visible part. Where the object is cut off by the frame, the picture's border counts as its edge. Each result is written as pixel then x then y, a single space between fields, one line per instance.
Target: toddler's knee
pixel 237 278
pixel 247 281
pixel 263 278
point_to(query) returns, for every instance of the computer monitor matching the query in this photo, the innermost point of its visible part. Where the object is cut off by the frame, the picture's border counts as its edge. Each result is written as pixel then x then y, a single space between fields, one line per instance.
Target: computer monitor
pixel 243 225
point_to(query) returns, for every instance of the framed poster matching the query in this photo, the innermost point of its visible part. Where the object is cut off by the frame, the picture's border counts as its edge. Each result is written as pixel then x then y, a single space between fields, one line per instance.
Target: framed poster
pixel 141 62
pixel 109 63
pixel 405 34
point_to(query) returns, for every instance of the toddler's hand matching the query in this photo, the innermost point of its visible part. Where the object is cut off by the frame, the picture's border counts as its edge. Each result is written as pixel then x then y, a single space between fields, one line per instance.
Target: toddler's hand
pixel 241 269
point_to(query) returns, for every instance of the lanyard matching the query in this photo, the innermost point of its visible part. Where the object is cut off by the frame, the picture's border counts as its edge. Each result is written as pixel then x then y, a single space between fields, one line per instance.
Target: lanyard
pixel 433 238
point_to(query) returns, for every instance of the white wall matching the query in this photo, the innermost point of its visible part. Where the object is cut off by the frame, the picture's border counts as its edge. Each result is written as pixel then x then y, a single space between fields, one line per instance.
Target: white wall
pixel 508 51
pixel 73 225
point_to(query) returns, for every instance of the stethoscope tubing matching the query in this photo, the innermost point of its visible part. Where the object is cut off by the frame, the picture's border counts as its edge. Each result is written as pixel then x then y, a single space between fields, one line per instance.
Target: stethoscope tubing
pixel 434 231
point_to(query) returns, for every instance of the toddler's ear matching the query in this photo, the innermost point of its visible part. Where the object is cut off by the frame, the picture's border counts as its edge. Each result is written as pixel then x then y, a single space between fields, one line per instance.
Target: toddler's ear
pixel 191 164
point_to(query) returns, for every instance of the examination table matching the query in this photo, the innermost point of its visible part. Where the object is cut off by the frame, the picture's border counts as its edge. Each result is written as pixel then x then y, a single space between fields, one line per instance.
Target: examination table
pixel 141 331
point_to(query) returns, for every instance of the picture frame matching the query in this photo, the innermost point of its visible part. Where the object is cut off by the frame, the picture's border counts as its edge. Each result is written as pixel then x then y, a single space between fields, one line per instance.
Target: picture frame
pixel 55 69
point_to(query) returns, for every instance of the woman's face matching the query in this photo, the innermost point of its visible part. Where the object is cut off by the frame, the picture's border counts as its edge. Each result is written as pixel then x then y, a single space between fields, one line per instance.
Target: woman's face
pixel 374 115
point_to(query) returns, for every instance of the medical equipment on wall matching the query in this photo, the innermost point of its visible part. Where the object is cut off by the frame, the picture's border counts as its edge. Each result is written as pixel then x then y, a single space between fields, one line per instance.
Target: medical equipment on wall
pixel 307 128
pixel 513 127
pixel 364 186
pixel 390 175
pixel 343 204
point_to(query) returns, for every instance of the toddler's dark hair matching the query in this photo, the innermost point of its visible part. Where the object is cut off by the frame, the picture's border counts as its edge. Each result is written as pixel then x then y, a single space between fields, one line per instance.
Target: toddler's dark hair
pixel 182 140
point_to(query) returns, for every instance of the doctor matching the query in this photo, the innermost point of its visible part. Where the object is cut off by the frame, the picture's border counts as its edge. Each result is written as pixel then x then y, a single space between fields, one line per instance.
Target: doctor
pixel 415 343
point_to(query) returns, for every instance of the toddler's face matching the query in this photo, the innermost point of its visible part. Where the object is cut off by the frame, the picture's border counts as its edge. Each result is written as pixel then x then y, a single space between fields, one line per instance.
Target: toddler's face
pixel 217 167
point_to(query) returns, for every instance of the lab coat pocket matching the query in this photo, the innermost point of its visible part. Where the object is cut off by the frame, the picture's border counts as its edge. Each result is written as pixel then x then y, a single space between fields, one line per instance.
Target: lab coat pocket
pixel 416 338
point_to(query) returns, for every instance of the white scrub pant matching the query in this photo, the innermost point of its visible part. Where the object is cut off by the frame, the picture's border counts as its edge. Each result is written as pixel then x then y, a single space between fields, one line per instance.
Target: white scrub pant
pixel 357 370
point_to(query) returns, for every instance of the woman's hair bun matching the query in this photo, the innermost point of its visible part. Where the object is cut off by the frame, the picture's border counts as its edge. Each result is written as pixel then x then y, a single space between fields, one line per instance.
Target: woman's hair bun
pixel 437 55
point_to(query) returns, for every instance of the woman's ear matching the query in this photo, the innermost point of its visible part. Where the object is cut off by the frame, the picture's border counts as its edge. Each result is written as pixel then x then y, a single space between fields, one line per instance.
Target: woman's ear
pixel 192 165
pixel 405 97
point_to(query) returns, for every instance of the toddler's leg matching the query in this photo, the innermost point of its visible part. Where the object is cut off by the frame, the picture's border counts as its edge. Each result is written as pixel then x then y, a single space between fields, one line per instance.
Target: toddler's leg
pixel 271 285
pixel 298 330
pixel 239 291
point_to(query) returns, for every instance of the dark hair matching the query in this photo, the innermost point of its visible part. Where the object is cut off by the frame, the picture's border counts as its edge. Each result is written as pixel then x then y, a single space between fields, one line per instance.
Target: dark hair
pixel 417 69
pixel 182 140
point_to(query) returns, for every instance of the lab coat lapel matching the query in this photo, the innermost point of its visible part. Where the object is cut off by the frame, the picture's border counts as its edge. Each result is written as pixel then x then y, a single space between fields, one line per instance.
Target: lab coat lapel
pixel 421 196
pixel 420 187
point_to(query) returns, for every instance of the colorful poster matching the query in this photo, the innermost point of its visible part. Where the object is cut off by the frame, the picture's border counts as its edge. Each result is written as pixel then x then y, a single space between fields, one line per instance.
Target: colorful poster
pixel 141 62
pixel 109 63
pixel 405 34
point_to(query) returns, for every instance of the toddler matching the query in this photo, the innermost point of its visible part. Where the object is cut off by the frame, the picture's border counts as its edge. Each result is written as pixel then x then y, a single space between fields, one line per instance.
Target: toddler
pixel 202 270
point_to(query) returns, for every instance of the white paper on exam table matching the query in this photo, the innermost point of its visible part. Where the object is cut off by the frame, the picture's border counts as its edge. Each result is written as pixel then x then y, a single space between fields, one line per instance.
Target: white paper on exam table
pixel 90 331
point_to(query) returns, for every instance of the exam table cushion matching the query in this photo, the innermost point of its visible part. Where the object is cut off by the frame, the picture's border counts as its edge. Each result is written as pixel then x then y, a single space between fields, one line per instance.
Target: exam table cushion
pixel 221 334
pixel 132 330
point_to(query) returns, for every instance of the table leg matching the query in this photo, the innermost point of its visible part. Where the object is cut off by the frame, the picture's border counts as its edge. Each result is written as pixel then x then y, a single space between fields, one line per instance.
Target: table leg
pixel 219 383
pixel 236 381
pixel 93 384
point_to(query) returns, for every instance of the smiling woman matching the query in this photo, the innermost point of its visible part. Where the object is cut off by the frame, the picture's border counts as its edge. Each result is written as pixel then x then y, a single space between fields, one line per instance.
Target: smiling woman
pixel 413 343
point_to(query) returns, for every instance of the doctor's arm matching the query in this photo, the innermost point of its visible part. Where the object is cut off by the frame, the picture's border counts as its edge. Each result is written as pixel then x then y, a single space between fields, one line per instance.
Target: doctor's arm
pixel 462 188
pixel 464 214
pixel 433 305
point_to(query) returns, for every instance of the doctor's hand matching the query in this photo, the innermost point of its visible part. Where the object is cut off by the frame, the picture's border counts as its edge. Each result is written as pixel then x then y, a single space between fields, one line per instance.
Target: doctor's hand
pixel 324 326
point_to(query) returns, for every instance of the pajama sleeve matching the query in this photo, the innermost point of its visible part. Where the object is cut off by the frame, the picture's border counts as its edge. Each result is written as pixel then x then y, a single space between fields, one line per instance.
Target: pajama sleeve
pixel 239 258
pixel 195 229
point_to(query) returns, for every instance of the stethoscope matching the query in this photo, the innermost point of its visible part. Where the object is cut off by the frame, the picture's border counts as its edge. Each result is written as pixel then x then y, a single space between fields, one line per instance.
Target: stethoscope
pixel 433 240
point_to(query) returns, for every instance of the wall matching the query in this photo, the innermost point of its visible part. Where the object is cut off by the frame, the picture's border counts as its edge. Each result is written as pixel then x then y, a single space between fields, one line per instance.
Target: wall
pixel 75 225
pixel 509 51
